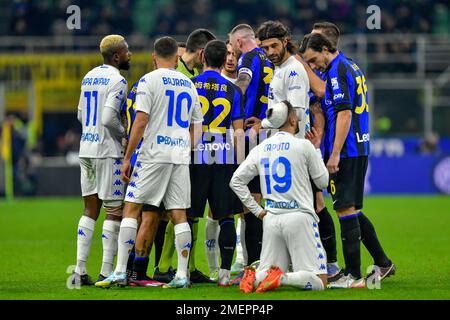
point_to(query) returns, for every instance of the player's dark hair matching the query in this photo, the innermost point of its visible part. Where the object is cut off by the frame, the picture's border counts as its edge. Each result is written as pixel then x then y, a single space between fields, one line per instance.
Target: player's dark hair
pixel 181 44
pixel 215 53
pixel 276 29
pixel 303 43
pixel 198 39
pixel 330 30
pixel 166 47
pixel 316 42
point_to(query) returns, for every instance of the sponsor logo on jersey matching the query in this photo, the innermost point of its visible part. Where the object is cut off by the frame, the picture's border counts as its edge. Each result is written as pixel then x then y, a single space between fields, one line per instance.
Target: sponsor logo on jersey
pixel 293 204
pixel 173 142
pixel 338 96
pixel 90 137
pixel 294 88
pixel 362 138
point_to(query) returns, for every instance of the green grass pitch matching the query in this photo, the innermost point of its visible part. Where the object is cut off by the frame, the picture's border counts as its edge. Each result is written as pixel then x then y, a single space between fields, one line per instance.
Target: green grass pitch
pixel 38 243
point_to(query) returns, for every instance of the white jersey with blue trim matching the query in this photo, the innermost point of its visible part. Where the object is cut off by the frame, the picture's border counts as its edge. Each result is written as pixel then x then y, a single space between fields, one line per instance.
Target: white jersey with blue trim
pixel 284 164
pixel 102 87
pixel 290 82
pixel 171 101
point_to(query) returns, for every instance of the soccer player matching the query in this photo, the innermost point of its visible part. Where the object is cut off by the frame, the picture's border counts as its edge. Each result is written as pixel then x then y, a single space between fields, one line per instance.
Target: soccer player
pixel 213 162
pixel 285 164
pixel 188 65
pixel 255 72
pixel 346 153
pixel 181 49
pixel 290 81
pixel 149 219
pixel 103 90
pixel 167 111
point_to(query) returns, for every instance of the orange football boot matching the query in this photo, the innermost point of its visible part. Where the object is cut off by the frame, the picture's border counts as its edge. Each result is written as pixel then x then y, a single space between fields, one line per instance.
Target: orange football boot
pixel 271 281
pixel 248 280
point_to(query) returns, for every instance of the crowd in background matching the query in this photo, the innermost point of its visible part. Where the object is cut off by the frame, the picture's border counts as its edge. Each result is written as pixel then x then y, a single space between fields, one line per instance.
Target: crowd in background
pixel 179 17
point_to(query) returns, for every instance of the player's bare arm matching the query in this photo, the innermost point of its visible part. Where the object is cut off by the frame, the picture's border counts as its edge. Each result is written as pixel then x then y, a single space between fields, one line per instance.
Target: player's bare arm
pixel 195 129
pixel 317 85
pixel 343 122
pixel 136 135
pixel 319 119
pixel 243 81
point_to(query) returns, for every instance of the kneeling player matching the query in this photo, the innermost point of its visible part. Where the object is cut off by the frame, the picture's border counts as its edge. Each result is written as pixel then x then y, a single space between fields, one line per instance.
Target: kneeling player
pixel 290 223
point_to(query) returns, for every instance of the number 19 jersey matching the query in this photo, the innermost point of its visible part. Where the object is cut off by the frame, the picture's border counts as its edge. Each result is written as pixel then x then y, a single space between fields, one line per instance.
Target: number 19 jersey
pixel 102 87
pixel 171 101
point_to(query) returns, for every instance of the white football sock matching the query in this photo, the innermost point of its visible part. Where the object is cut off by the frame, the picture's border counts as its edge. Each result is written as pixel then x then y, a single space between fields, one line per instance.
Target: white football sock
pixel 127 238
pixel 85 231
pixel 302 280
pixel 211 243
pixel 110 233
pixel 259 276
pixel 241 249
pixel 183 243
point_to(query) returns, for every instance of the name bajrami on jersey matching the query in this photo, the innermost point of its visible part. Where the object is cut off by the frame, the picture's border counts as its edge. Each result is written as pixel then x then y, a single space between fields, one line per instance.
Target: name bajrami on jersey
pixel 346 89
pixel 222 103
pixel 171 101
pixel 255 64
pixel 102 87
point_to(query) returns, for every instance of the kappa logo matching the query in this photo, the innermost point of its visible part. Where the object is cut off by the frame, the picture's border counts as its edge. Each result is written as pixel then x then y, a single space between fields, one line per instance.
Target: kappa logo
pixel 316 234
pixel 308 286
pixel 318 246
pixel 130 195
pixel 293 74
pixel 133 184
pixel 211 244
pixel 117 162
pixel 323 267
pixel 131 242
pixel 117 183
pixel 187 246
pixel 139 165
pixel 117 172
pixel 135 175
pixel 118 193
pixel 321 256
pixel 81 233
pixel 104 236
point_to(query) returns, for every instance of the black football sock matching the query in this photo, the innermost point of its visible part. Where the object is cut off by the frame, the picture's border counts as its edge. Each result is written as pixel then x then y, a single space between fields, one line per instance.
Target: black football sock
pixel 351 239
pixel 227 242
pixel 253 237
pixel 159 240
pixel 131 259
pixel 140 266
pixel 327 234
pixel 370 240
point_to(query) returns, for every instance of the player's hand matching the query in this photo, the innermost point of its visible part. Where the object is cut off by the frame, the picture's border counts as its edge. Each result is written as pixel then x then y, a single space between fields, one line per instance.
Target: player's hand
pixel 251 122
pixel 124 143
pixel 125 171
pixel 262 214
pixel 314 137
pixel 333 163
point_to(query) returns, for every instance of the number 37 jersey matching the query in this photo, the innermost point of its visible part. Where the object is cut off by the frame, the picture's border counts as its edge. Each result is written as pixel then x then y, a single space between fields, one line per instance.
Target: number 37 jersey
pixel 171 101
pixel 102 87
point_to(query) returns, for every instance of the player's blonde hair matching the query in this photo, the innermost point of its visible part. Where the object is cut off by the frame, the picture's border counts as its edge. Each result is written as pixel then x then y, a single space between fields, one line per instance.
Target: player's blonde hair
pixel 109 44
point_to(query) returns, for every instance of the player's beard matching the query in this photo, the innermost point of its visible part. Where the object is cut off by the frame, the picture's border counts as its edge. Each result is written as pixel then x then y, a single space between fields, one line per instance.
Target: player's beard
pixel 297 129
pixel 124 65
pixel 277 58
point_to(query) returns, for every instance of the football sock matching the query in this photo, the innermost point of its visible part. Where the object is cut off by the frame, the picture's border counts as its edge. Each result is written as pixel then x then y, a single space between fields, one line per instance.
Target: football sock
pixel 193 222
pixel 183 242
pixel 327 234
pixel 305 280
pixel 370 240
pixel 211 243
pixel 351 239
pixel 241 250
pixel 84 239
pixel 127 238
pixel 227 242
pixel 110 233
pixel 159 240
pixel 140 265
pixel 168 249
pixel 253 237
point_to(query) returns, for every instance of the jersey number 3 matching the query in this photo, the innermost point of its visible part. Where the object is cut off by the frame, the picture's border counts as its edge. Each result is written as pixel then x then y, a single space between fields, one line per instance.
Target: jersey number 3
pixel 282 183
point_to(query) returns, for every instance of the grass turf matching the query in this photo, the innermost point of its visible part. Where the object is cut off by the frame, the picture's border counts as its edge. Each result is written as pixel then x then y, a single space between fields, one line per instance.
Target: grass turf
pixel 38 243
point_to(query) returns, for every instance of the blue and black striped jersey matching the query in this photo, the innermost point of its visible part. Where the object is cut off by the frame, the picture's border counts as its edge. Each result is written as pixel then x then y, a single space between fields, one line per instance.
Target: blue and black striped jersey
pixel 346 89
pixel 222 103
pixel 260 69
pixel 128 109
